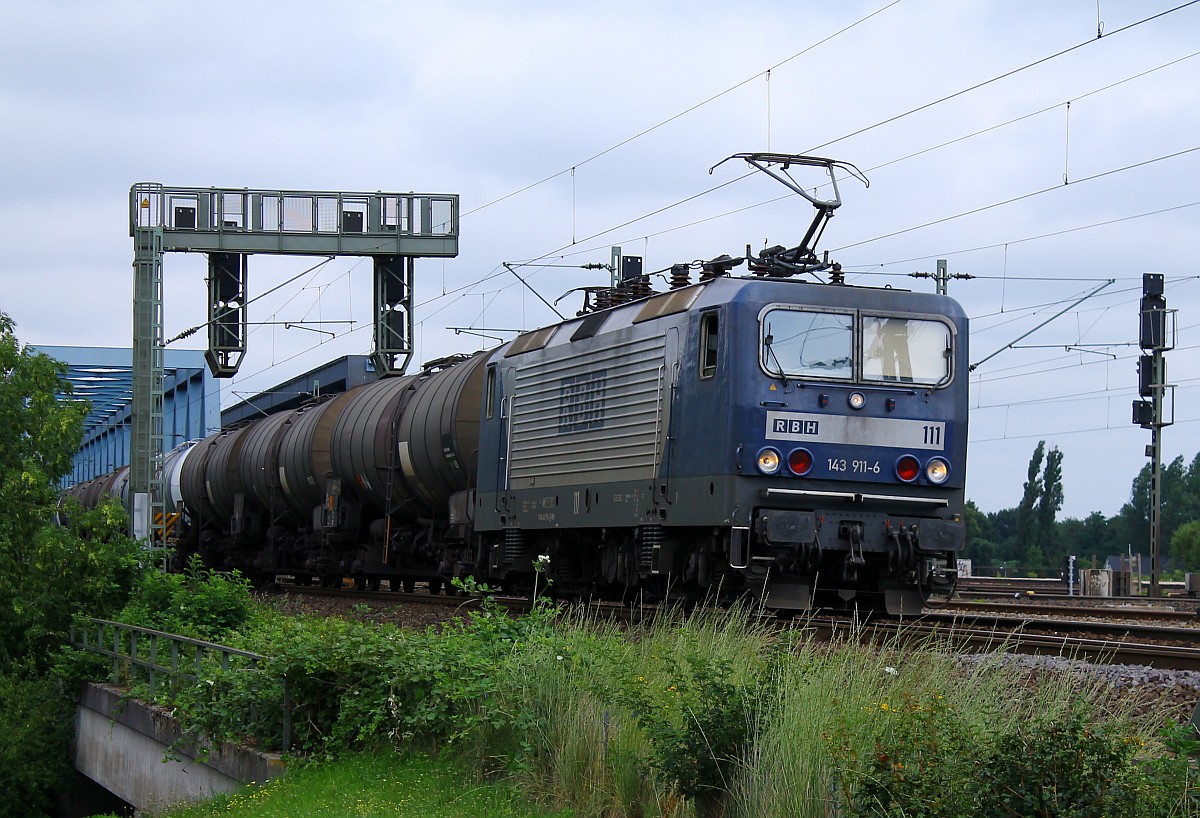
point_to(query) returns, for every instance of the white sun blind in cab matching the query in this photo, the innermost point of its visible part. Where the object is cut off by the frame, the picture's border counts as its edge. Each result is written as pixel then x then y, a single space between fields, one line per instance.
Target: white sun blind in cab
pixel 594 416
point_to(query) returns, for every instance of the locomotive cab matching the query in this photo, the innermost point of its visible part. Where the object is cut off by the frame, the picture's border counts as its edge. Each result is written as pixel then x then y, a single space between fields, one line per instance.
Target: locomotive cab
pixel 850 427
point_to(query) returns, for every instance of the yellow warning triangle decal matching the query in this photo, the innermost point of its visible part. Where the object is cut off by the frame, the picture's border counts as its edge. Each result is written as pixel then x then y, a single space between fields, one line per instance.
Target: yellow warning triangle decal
pixel 773 389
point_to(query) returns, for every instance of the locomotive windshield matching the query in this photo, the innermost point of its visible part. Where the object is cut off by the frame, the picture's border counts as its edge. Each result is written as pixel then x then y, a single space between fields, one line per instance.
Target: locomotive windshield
pixel 905 350
pixel 825 345
pixel 809 344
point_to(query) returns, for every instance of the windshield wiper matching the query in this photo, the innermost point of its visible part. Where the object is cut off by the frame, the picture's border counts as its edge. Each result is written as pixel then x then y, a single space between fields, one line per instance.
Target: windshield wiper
pixel 771 355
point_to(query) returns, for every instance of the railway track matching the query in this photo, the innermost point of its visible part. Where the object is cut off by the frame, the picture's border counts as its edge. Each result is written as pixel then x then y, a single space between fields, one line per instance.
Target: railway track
pixel 1138 612
pixel 982 638
pixel 1000 587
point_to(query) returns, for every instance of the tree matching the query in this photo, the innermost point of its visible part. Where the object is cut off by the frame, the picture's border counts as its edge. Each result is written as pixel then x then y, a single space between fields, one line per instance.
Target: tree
pixel 1040 502
pixel 1026 509
pixel 1180 504
pixel 1094 537
pixel 1003 526
pixel 1185 546
pixel 1048 505
pixel 48 573
pixel 980 547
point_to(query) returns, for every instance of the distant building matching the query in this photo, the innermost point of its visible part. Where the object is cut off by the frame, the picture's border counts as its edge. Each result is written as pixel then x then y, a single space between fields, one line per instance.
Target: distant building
pixel 332 378
pixel 104 376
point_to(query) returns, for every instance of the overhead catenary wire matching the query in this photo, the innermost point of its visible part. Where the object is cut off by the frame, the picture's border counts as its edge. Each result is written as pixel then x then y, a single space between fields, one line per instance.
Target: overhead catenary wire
pixel 574 241
pixel 1022 197
pixel 684 112
pixel 1005 75
pixel 897 160
pixel 192 330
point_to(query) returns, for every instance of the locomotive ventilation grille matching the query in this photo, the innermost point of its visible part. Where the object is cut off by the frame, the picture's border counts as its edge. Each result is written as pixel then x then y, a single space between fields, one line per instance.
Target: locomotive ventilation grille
pixel 597 415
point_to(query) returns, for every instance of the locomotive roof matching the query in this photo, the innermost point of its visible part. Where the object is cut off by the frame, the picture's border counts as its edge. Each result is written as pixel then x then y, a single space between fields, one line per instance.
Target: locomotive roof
pixel 732 289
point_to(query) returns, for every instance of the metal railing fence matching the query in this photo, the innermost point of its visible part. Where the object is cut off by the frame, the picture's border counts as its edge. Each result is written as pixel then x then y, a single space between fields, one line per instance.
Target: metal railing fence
pixel 143 654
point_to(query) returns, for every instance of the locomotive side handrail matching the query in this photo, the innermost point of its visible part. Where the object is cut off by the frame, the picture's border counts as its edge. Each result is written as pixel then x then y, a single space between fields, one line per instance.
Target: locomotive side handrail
pixel 120 642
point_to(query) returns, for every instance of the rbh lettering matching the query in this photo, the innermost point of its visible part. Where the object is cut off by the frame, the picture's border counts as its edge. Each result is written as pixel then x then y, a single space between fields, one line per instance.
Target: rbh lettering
pixel 795 426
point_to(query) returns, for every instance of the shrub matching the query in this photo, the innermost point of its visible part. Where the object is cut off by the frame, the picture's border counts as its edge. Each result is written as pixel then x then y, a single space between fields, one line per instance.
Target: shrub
pixel 928 758
pixel 34 735
pixel 353 685
pixel 200 602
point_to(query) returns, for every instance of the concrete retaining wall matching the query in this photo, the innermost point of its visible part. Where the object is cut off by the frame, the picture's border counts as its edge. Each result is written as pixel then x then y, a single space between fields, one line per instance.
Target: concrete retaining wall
pixel 121 745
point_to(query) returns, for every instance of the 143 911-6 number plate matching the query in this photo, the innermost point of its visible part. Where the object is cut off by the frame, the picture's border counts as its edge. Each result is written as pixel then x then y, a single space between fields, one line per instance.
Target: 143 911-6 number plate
pixel 853 466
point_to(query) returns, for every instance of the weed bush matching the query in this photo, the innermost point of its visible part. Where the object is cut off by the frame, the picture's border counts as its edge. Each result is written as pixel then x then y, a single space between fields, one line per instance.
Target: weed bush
pixel 971 758
pixel 200 602
pixel 353 685
pixel 34 734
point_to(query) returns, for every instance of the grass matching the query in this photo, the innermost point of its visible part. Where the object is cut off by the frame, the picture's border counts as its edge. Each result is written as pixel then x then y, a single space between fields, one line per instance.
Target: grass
pixel 372 785
pixel 710 714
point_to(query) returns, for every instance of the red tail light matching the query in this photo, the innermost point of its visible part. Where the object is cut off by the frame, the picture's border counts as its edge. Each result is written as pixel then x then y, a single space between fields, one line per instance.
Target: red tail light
pixel 800 461
pixel 907 468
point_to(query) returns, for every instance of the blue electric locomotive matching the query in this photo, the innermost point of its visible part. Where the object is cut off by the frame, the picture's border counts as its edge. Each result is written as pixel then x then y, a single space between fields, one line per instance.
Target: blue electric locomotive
pixel 804 441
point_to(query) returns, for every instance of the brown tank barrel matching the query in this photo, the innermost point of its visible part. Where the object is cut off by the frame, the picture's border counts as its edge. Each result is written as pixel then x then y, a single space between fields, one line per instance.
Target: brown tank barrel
pixel 258 465
pixel 438 435
pixel 409 443
pixel 191 480
pixel 362 452
pixel 303 459
pixel 209 480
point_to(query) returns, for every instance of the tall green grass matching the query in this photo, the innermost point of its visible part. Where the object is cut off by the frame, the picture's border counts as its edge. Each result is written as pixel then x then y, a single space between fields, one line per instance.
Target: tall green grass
pixel 618 719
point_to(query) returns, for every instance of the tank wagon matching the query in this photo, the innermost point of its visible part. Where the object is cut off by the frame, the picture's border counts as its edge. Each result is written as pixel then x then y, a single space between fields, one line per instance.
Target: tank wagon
pixel 801 442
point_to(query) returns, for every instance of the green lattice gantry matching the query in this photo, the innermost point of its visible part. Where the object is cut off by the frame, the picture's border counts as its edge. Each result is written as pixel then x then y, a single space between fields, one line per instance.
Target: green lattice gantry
pixel 231 224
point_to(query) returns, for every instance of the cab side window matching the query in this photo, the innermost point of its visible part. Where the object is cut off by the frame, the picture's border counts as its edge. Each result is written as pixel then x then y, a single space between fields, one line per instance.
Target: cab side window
pixel 489 394
pixel 710 333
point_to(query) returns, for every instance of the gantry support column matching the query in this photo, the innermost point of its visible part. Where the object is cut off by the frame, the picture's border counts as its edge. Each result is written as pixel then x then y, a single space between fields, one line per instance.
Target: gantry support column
pixel 146 418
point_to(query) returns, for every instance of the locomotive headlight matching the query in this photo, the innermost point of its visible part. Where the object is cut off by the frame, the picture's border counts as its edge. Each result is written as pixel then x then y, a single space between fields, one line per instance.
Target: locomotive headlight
pixel 768 461
pixel 857 400
pixel 937 470
pixel 907 468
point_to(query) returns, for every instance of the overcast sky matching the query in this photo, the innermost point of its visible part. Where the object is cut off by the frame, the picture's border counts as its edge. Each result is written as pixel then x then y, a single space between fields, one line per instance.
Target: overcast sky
pixel 564 125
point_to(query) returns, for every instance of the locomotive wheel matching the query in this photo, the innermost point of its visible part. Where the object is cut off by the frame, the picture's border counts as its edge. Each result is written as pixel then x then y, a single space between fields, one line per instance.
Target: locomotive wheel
pixel 373 584
pixel 435 586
